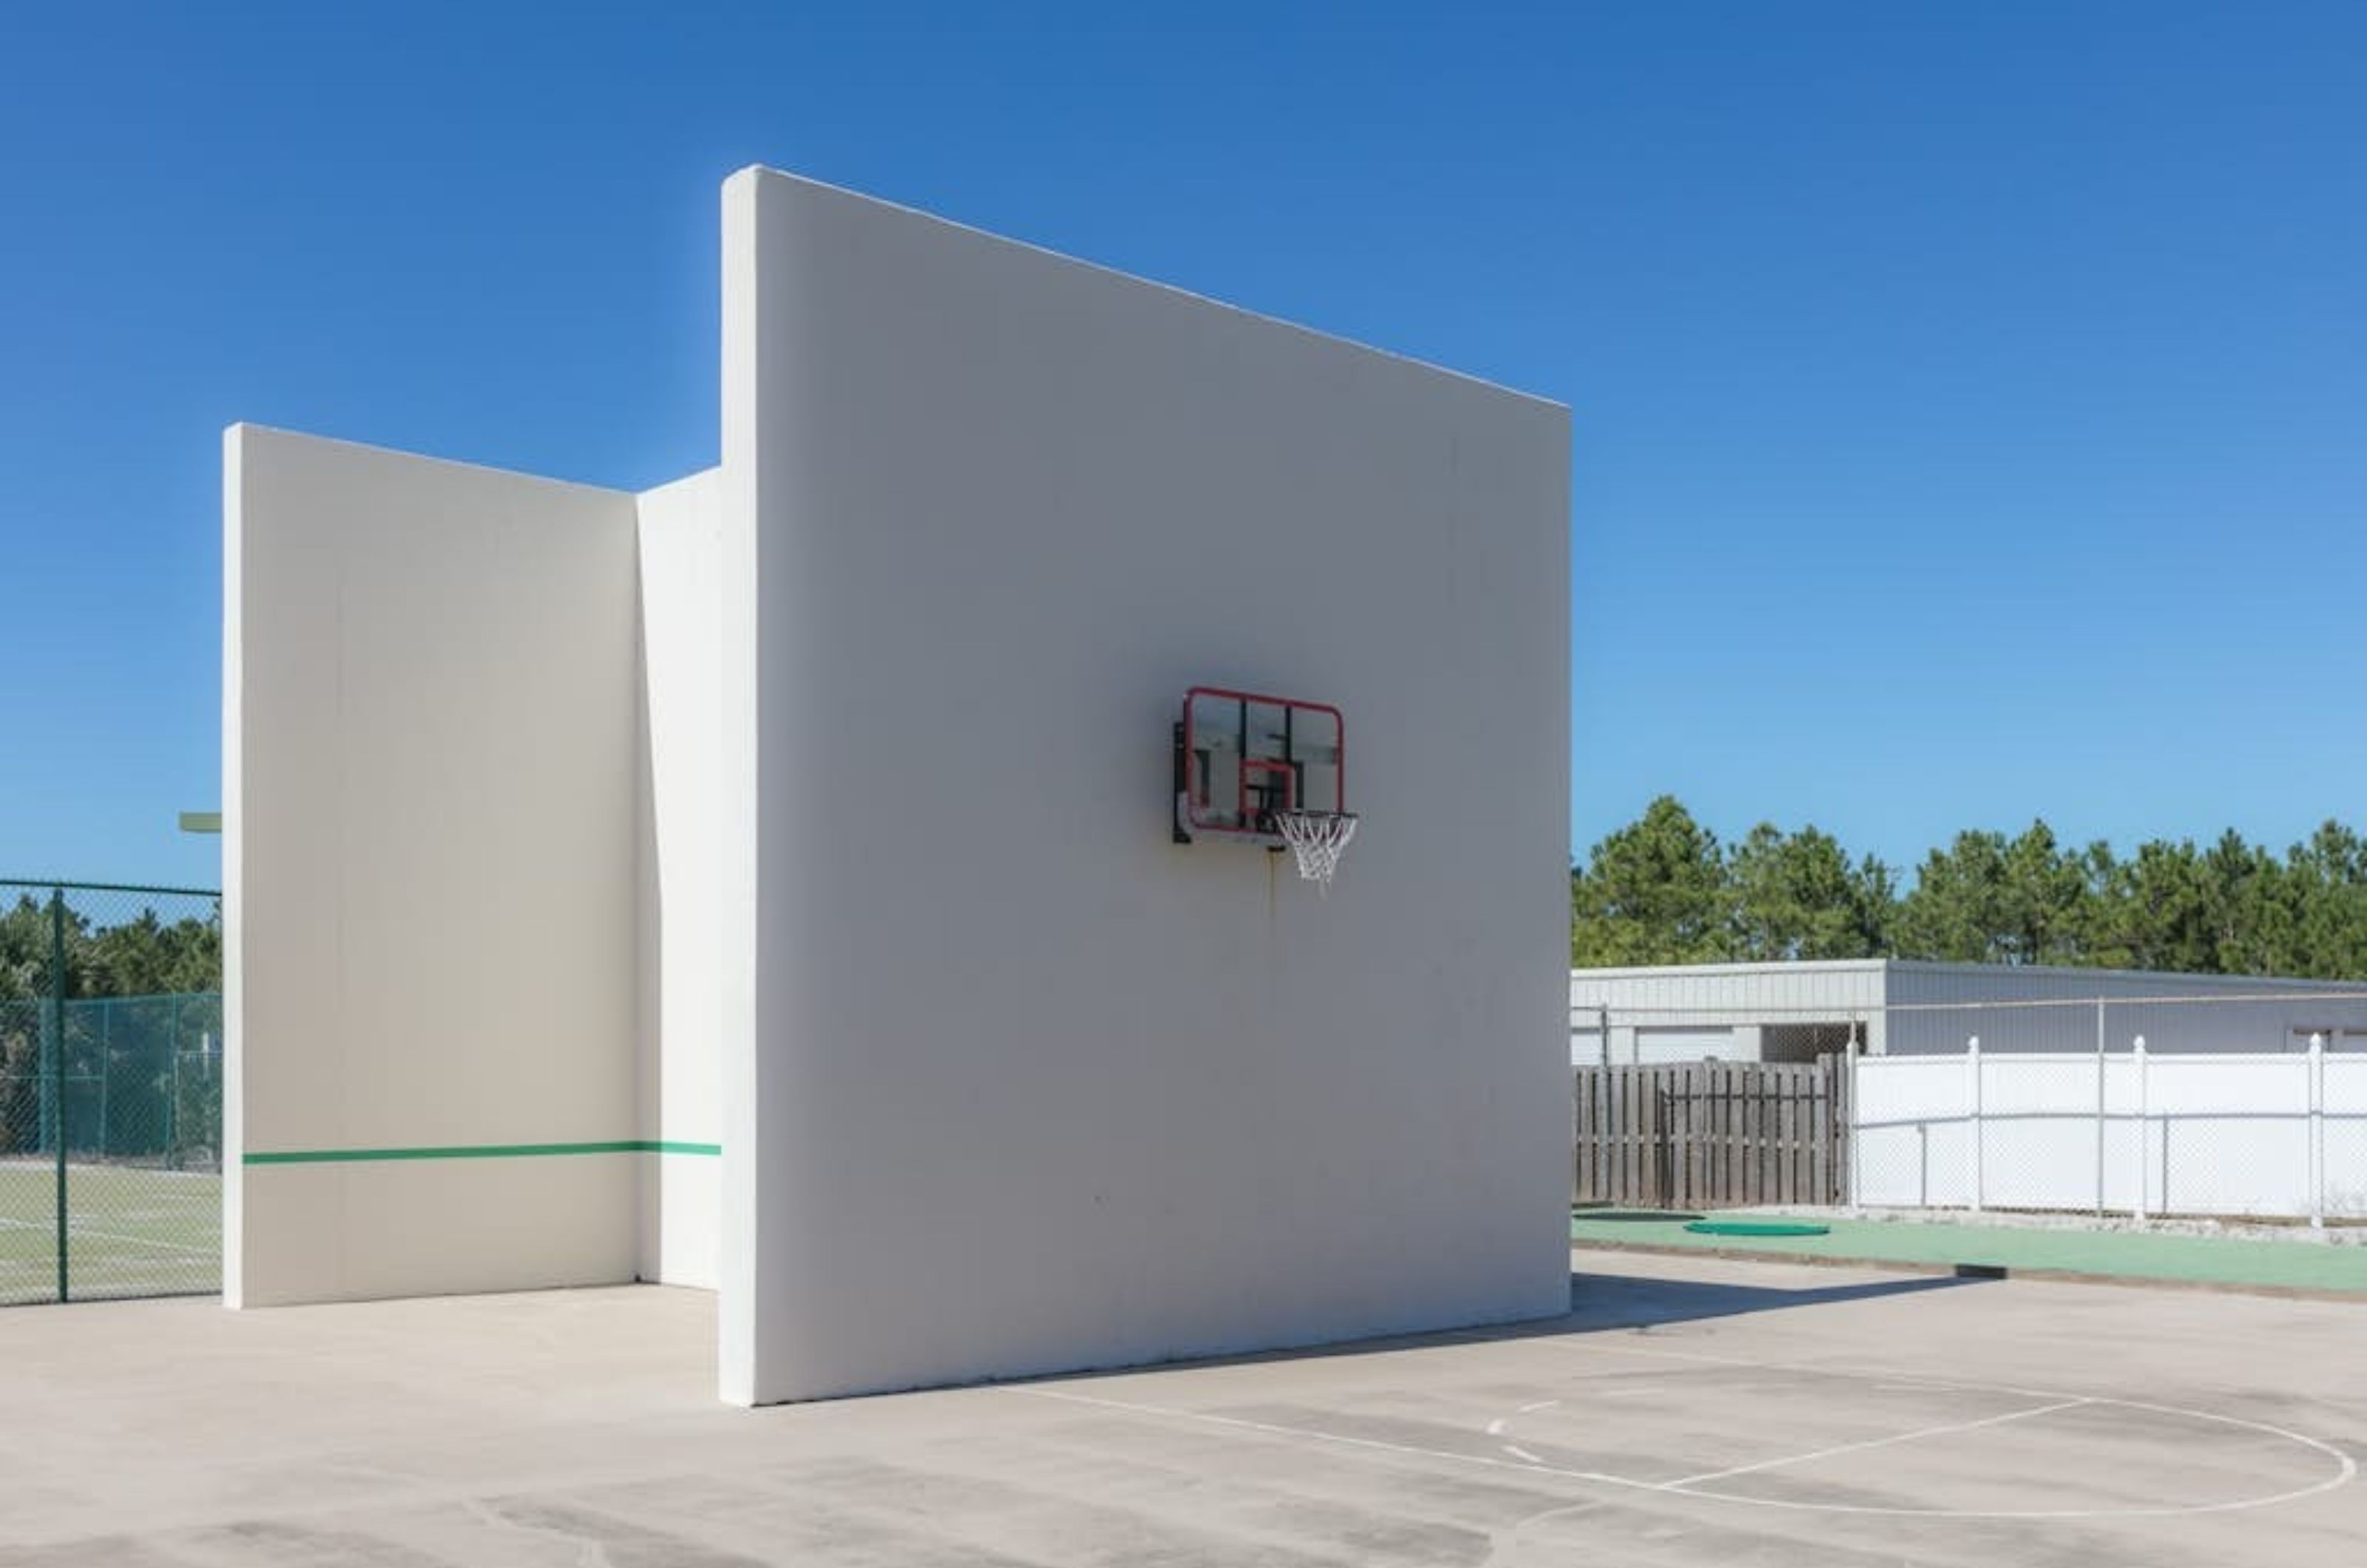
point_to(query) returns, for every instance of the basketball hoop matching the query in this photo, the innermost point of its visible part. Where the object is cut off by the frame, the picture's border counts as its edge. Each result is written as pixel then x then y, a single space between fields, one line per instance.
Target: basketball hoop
pixel 1317 839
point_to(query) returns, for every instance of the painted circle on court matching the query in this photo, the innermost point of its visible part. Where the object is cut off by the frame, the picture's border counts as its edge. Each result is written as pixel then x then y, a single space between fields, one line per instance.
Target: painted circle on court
pixel 2332 1467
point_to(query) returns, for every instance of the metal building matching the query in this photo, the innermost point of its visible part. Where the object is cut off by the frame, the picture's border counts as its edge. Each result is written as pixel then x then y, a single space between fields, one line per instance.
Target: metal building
pixel 1794 1012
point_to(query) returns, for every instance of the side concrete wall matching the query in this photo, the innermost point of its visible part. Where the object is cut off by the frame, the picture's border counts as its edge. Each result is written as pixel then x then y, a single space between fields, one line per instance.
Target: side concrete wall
pixel 437 1057
pixel 681 858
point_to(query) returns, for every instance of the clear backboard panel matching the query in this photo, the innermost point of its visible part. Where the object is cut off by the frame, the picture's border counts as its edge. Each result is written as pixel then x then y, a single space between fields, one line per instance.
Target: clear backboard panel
pixel 1242 757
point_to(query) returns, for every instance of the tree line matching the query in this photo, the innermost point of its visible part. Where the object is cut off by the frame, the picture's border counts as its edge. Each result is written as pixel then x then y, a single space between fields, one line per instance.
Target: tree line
pixel 1664 890
pixel 141 954
pixel 125 1062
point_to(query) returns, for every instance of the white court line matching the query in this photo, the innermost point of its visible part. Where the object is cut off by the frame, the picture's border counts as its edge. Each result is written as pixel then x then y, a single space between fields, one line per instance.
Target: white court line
pixel 172 1251
pixel 1522 1453
pixel 1567 1510
pixel 1902 1379
pixel 1535 1467
pixel 74 1230
pixel 1540 1404
pixel 1273 1429
pixel 2347 1469
pixel 144 1241
pixel 1879 1442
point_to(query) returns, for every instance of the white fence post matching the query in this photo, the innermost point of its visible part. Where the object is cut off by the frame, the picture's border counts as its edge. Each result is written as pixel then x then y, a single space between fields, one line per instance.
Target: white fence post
pixel 2100 1119
pixel 1849 1135
pixel 2317 1132
pixel 1973 1070
pixel 2138 1063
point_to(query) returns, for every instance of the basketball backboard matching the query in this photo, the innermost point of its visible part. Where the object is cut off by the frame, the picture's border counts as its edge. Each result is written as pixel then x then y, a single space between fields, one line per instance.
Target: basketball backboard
pixel 1241 758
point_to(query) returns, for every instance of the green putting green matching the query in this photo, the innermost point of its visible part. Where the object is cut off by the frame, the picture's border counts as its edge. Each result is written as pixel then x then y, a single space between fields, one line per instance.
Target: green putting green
pixel 1756 1227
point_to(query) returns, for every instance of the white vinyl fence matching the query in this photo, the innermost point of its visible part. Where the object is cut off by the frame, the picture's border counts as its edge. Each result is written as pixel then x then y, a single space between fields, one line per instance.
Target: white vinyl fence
pixel 2128 1133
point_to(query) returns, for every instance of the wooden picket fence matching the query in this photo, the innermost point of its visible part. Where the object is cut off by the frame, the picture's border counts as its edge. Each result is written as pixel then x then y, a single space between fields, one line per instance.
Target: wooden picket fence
pixel 1710 1135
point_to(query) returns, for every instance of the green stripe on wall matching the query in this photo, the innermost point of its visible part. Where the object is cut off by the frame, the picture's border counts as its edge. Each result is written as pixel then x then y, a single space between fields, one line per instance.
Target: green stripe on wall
pixel 482 1151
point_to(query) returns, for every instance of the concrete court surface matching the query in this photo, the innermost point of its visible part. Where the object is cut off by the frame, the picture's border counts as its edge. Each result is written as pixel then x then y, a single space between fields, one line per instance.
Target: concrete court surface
pixel 1690 1411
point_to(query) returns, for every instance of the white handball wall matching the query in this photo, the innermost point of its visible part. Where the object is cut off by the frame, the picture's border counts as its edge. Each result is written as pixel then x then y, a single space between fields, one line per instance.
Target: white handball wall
pixel 429 805
pixel 1027 1086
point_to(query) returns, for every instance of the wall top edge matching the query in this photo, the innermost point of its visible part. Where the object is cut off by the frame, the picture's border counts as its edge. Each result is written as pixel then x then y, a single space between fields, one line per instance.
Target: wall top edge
pixel 243 430
pixel 707 476
pixel 756 174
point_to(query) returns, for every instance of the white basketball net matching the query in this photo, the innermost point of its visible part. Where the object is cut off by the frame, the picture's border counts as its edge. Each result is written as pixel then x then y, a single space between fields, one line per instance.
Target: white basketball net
pixel 1316 837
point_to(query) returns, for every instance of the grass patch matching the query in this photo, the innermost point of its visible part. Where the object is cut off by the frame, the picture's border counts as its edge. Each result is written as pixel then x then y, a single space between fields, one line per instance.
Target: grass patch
pixel 130 1231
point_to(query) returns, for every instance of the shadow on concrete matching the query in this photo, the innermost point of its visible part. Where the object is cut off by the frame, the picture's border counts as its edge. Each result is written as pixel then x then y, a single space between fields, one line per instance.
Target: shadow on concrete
pixel 1632 1216
pixel 1598 1304
pixel 1600 1300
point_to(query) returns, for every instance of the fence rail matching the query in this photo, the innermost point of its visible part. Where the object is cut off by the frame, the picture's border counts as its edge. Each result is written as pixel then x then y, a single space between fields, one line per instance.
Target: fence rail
pixel 1709 1134
pixel 110 1091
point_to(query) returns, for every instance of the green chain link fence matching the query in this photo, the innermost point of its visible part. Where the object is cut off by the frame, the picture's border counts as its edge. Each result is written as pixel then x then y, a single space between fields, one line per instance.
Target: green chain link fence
pixel 110 1091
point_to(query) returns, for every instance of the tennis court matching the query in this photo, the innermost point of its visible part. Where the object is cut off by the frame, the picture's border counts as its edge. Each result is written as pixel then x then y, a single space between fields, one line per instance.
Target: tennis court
pixel 130 1231
pixel 1688 1413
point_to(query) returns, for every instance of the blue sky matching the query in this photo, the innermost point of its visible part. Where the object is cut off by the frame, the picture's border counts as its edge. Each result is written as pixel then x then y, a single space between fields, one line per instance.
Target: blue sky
pixel 1967 397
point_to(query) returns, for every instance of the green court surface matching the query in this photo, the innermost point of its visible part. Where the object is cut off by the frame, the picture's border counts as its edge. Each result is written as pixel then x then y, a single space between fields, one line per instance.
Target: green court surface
pixel 2225 1262
pixel 130 1231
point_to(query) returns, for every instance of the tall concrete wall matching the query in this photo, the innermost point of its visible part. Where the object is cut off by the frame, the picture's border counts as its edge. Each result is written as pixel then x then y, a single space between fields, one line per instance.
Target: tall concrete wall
pixel 429 903
pixel 1027 1086
pixel 683 852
